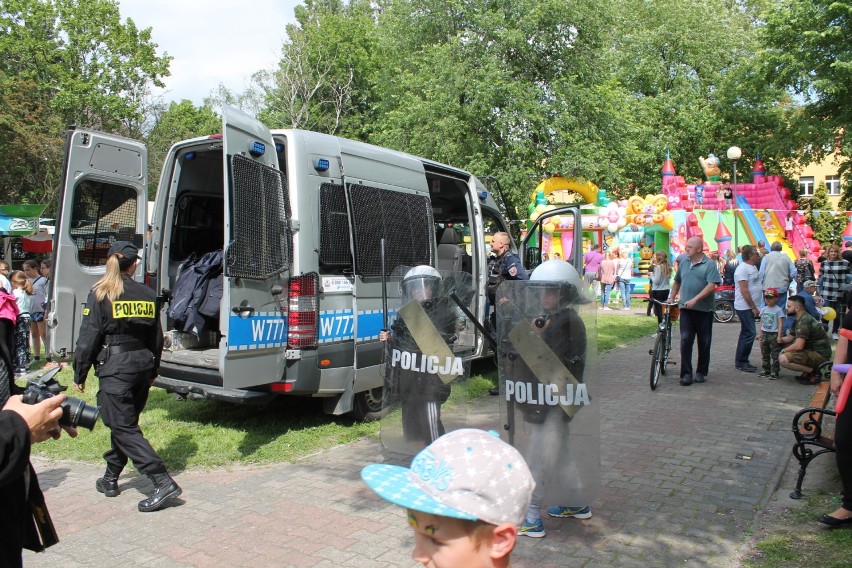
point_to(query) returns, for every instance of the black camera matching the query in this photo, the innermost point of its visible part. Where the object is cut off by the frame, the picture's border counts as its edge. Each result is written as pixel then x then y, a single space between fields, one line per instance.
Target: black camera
pixel 75 412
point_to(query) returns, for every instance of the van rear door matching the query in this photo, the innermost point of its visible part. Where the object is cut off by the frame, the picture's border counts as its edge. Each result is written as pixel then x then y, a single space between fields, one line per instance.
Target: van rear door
pixel 258 255
pixel 104 199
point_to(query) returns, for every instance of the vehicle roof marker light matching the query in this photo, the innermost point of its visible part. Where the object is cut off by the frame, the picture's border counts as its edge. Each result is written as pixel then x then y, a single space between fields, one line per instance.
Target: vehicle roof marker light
pixel 321 164
pixel 189 156
pixel 279 147
pixel 257 149
pixel 483 195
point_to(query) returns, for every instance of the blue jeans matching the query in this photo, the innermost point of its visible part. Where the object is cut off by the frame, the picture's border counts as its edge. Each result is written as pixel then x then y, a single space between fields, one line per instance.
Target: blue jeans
pixel 606 293
pixel 695 325
pixel 748 331
pixel 624 289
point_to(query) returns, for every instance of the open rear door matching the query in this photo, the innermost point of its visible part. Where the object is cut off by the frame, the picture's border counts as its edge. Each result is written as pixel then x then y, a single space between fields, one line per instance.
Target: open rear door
pixel 258 255
pixel 104 199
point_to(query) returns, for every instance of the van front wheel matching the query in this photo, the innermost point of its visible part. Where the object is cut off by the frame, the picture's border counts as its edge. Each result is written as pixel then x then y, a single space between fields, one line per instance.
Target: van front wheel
pixel 367 405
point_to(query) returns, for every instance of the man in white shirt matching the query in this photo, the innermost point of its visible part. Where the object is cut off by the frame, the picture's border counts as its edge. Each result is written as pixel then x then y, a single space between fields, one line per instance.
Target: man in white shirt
pixel 748 296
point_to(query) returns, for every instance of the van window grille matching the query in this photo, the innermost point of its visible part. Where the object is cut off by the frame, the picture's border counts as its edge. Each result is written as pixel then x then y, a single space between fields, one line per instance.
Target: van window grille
pixel 334 227
pixel 261 229
pixel 101 214
pixel 403 219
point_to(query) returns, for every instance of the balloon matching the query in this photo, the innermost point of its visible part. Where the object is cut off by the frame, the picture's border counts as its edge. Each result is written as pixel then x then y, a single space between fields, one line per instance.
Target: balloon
pixel 828 314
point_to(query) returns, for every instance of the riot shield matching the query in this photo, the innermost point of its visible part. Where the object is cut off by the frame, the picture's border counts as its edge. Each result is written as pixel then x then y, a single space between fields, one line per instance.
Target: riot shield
pixel 425 372
pixel 548 366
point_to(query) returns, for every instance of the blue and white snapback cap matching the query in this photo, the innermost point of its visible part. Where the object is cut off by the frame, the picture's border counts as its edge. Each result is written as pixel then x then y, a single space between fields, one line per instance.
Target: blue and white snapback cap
pixel 465 474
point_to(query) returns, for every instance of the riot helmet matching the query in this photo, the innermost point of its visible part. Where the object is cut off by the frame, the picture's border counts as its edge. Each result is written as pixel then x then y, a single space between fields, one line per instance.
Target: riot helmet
pixel 557 284
pixel 421 283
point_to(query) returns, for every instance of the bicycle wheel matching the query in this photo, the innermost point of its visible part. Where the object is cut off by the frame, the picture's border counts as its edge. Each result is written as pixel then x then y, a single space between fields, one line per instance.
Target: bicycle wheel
pixel 658 360
pixel 724 311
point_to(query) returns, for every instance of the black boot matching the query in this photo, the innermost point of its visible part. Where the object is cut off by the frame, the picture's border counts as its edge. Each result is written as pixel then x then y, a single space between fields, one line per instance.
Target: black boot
pixel 165 489
pixel 108 484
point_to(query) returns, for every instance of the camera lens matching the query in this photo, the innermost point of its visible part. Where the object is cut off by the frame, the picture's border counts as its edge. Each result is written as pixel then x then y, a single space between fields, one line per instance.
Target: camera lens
pixel 76 412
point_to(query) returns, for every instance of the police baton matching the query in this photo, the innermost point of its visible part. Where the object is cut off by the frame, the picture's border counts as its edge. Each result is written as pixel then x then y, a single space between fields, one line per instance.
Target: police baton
pixel 384 296
pixel 478 324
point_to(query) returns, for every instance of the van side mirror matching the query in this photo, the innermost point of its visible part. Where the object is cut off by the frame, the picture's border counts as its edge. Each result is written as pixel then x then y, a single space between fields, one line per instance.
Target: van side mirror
pixel 277 290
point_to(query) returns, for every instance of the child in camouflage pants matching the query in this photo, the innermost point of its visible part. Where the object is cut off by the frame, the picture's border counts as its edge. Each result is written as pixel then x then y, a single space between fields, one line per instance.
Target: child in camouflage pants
pixel 771 328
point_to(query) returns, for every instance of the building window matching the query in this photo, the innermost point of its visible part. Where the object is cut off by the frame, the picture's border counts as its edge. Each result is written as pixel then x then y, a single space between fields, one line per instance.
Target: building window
pixel 832 183
pixel 806 185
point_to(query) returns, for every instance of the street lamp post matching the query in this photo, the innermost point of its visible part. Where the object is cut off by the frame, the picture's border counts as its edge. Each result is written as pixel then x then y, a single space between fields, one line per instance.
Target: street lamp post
pixel 734 154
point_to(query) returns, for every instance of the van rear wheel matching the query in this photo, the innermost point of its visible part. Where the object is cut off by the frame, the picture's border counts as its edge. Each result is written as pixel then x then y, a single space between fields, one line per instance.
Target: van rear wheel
pixel 367 405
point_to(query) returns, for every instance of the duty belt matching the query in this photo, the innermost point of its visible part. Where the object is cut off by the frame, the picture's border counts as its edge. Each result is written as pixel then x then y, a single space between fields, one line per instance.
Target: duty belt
pixel 123 344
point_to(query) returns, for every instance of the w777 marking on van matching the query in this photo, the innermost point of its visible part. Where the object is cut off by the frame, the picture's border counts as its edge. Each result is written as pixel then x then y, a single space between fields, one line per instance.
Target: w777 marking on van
pixel 336 325
pixel 265 330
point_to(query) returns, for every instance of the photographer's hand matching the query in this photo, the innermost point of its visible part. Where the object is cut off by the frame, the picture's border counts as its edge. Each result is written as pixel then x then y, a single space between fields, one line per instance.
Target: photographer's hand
pixel 42 418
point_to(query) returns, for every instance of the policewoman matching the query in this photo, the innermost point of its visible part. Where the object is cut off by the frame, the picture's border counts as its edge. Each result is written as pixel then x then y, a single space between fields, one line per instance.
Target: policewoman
pixel 121 336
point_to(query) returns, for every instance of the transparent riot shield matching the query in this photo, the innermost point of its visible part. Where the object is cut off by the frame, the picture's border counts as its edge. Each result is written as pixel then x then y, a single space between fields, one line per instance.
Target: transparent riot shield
pixel 425 371
pixel 549 408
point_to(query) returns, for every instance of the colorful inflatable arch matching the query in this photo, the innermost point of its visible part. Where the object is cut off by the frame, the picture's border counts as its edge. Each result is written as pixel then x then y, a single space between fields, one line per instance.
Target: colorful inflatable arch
pixel 586 189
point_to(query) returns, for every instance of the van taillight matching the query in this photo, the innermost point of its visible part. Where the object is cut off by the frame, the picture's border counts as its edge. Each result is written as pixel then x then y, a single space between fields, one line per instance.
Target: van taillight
pixel 303 311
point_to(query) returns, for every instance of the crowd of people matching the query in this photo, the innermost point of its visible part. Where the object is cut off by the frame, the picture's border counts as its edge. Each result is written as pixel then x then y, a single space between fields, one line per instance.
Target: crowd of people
pixel 22 347
pixel 786 306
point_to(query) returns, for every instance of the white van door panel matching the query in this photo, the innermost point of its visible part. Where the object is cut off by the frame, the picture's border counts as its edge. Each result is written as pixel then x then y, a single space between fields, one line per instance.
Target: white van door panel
pixel 104 199
pixel 254 329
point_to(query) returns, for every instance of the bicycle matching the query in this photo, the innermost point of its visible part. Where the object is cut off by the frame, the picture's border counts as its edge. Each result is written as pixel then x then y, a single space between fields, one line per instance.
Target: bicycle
pixel 724 307
pixel 663 343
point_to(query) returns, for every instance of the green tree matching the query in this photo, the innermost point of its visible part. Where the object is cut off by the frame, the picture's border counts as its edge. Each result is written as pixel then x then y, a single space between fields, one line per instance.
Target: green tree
pixel 66 62
pixel 324 80
pixel 179 121
pixel 828 226
pixel 808 52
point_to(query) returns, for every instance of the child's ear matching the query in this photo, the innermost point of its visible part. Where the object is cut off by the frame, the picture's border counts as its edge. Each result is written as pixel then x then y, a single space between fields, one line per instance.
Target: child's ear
pixel 503 541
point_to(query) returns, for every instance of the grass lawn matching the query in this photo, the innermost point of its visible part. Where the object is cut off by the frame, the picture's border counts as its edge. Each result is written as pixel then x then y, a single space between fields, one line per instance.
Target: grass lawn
pixel 211 433
pixel 793 541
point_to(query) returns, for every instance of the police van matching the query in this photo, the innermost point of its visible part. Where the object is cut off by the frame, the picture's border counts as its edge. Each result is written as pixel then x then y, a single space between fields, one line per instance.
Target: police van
pixel 299 218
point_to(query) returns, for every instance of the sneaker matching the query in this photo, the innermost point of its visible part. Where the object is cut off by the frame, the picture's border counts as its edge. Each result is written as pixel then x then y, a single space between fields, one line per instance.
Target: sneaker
pixel 575 512
pixel 606 308
pixel 534 530
pixel 764 373
pixel 835 337
pixel 773 376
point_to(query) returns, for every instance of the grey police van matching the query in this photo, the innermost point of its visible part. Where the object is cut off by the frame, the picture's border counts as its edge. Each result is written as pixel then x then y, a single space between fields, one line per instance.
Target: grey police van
pixel 299 217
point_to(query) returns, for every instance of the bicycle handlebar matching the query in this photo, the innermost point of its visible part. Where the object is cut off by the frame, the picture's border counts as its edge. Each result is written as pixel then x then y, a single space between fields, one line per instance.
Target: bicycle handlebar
pixel 664 303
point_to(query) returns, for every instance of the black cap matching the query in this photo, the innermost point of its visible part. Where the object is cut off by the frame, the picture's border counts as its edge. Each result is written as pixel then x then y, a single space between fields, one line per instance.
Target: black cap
pixel 127 249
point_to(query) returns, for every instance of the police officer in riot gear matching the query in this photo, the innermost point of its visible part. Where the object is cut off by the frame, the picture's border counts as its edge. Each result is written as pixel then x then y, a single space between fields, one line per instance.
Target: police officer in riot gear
pixel 419 393
pixel 121 336
pixel 548 302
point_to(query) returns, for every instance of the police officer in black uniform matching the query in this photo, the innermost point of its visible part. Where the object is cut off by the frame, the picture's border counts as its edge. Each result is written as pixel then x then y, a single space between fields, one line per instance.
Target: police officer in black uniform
pixel 504 265
pixel 420 394
pixel 121 335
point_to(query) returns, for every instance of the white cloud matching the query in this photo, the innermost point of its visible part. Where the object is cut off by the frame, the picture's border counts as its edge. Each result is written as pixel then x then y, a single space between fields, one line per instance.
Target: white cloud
pixel 212 42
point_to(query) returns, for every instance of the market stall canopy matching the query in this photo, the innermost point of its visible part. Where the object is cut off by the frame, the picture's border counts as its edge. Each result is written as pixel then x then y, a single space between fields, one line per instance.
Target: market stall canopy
pixel 19 220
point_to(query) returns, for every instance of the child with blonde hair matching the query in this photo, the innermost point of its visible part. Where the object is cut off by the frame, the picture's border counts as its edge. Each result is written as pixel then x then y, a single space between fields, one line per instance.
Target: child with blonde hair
pixel 22 290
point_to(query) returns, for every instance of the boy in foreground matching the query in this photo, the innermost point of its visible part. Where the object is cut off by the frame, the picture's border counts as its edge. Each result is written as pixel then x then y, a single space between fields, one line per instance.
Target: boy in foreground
pixel 465 494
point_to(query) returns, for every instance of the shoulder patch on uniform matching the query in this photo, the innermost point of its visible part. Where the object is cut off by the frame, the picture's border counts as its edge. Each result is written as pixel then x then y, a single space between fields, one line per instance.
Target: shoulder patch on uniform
pixel 86 311
pixel 513 271
pixel 133 309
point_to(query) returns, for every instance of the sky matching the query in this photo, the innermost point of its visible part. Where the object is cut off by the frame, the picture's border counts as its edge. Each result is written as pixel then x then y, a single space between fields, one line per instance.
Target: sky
pixel 212 42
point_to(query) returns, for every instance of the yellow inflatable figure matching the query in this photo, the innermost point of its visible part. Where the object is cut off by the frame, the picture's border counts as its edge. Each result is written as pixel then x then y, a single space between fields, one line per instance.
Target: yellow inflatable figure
pixel 650 210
